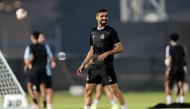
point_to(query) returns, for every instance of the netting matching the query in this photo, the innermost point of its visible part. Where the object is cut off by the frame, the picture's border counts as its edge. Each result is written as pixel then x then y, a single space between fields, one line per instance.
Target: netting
pixel 8 82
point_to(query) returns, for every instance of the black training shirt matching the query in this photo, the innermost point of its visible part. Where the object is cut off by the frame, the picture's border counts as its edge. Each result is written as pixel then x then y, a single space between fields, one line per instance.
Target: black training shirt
pixel 177 53
pixel 102 41
pixel 40 55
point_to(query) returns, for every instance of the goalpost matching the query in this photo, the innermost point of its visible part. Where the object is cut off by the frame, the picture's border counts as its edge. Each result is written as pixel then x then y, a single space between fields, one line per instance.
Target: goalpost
pixel 10 88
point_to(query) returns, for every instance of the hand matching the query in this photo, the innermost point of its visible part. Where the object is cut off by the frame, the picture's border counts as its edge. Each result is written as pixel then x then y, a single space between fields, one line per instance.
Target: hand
pixel 27 66
pixel 53 64
pixel 79 71
pixel 30 66
pixel 102 56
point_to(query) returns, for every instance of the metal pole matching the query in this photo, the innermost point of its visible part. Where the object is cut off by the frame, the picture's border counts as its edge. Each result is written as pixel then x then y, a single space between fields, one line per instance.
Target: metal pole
pixel 162 12
pixel 5 40
pixel 58 35
pixel 124 11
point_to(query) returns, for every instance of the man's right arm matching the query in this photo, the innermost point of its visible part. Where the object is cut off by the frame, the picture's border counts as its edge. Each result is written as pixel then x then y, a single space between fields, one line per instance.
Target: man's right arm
pixel 185 61
pixel 26 58
pixel 50 56
pixel 26 54
pixel 89 56
pixel 87 59
pixel 185 55
pixel 168 60
pixel 31 56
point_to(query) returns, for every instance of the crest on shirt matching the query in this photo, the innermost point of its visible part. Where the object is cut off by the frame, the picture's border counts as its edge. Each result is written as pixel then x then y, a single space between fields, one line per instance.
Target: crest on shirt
pixel 102 36
pixel 93 37
pixel 109 79
pixel 87 78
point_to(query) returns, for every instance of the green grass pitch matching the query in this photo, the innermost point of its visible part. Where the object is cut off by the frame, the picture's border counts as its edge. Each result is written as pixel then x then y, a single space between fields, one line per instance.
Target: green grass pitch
pixel 134 100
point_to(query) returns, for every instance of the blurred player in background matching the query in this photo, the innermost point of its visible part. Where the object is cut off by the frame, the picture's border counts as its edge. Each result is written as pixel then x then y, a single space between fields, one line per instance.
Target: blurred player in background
pixel 176 56
pixel 104 43
pixel 49 91
pixel 38 60
pixel 50 62
pixel 30 81
pixel 99 88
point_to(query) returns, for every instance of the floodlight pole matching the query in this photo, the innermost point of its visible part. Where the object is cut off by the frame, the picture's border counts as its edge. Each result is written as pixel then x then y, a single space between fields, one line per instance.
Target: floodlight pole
pixel 5 39
pixel 135 11
pixel 58 35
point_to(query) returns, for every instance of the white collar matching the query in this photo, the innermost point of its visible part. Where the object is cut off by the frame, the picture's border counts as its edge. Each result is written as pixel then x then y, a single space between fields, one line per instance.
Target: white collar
pixel 101 27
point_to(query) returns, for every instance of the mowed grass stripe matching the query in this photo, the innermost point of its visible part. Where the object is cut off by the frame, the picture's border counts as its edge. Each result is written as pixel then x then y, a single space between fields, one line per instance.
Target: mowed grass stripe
pixel 134 100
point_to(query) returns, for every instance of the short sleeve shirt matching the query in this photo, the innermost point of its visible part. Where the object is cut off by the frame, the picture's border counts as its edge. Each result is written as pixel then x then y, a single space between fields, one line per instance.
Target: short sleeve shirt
pixel 40 55
pixel 102 41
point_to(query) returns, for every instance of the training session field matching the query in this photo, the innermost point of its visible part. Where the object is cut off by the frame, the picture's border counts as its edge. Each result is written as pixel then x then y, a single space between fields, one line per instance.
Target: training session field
pixel 135 100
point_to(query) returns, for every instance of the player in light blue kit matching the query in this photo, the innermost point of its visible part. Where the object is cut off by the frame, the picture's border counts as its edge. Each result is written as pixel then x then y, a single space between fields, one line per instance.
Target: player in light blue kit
pixel 50 63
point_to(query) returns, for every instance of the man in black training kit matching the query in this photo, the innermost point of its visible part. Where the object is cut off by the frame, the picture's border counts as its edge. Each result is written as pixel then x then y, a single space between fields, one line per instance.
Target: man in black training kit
pixel 175 68
pixel 34 37
pixel 38 59
pixel 104 43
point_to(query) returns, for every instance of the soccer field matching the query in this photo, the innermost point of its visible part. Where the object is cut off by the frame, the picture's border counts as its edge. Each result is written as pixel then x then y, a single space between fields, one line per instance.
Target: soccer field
pixel 134 100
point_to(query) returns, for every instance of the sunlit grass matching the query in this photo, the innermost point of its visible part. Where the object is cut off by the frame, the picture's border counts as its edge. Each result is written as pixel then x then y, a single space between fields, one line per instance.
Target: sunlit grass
pixel 134 100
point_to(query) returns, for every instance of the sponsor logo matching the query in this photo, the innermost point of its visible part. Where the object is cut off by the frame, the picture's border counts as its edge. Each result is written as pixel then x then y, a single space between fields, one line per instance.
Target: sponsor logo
pixel 87 78
pixel 109 79
pixel 102 36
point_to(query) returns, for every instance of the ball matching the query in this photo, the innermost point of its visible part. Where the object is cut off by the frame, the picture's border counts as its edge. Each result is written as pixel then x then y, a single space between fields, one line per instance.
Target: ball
pixel 61 56
pixel 21 13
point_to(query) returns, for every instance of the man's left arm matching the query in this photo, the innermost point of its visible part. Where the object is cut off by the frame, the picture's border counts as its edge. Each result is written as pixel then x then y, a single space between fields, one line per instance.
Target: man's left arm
pixel 185 55
pixel 185 61
pixel 50 56
pixel 118 47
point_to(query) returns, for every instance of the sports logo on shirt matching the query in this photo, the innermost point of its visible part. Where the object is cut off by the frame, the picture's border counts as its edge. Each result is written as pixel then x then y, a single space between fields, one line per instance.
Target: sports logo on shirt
pixel 102 36
pixel 109 79
pixel 87 78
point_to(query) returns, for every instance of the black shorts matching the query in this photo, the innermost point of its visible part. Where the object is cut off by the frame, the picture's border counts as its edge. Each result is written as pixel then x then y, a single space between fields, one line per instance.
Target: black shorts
pixel 37 75
pixel 48 84
pixel 30 76
pixel 103 83
pixel 106 74
pixel 176 75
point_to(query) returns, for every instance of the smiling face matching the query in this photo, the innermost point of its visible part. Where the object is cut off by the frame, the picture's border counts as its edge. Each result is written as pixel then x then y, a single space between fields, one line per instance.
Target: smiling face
pixel 102 18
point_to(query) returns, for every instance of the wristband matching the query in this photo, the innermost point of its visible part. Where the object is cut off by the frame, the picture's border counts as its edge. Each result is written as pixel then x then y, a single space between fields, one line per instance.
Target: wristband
pixel 84 63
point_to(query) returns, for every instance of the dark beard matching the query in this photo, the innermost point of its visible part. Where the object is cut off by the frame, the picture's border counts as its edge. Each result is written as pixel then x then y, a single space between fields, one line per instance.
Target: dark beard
pixel 103 24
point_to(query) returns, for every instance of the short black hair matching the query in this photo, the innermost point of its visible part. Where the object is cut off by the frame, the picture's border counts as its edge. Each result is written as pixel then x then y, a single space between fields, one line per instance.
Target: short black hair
pixel 174 37
pixel 36 34
pixel 101 10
